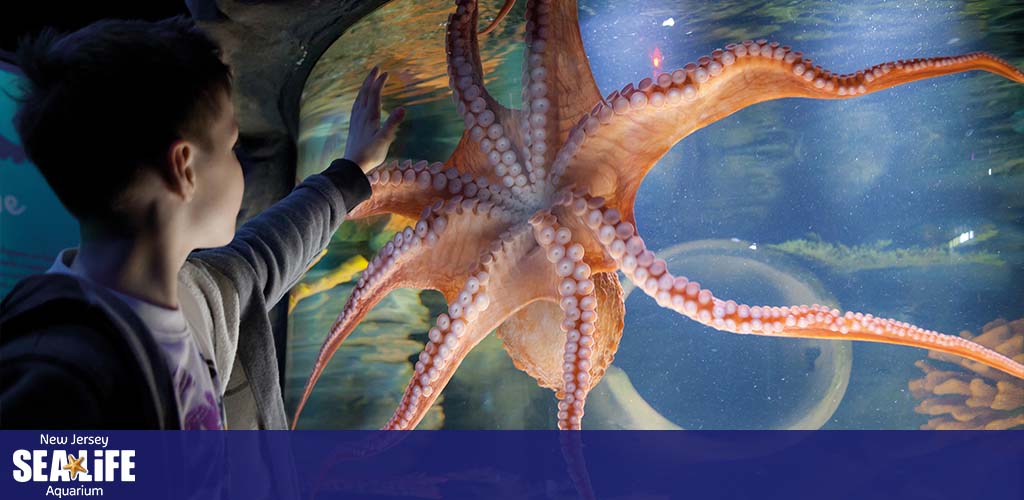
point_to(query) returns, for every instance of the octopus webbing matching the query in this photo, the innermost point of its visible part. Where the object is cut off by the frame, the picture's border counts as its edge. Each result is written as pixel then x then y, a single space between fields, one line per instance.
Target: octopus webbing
pixel 525 226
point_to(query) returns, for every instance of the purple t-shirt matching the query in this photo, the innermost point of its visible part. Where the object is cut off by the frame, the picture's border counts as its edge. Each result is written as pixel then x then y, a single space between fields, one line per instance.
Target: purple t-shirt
pixel 194 376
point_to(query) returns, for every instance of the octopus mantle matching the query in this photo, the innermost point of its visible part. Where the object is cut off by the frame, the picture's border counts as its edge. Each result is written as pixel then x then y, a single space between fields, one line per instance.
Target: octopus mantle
pixel 524 227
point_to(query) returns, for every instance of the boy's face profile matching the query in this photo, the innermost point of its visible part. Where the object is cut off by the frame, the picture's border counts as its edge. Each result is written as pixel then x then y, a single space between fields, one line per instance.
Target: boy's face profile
pixel 218 182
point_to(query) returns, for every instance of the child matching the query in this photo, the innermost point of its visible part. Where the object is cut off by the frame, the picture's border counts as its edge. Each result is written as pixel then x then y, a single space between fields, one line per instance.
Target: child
pixel 131 124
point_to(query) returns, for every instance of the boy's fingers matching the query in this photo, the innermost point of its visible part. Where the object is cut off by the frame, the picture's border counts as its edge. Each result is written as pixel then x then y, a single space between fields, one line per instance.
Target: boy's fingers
pixel 359 105
pixel 391 125
pixel 373 116
pixel 380 82
pixel 371 76
pixel 367 85
pixel 357 115
pixel 374 99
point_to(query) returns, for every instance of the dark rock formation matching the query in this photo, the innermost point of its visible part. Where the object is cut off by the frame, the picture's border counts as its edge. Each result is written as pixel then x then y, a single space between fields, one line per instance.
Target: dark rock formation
pixel 272 46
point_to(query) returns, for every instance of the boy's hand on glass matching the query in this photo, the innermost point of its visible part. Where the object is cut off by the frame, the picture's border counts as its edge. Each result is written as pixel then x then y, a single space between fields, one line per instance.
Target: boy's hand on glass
pixel 368 141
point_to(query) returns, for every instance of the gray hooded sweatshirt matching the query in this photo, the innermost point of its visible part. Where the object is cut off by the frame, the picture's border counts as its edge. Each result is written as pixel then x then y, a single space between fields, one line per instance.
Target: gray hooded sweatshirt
pixel 225 294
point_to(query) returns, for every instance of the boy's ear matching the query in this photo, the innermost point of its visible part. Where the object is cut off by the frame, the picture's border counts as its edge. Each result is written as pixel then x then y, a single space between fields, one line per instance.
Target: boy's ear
pixel 181 169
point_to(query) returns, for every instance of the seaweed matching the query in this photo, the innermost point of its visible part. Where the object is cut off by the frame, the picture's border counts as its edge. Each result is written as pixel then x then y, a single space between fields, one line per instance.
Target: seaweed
pixel 882 255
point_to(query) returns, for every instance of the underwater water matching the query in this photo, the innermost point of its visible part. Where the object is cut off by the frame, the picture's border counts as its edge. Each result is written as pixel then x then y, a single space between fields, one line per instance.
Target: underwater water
pixel 906 204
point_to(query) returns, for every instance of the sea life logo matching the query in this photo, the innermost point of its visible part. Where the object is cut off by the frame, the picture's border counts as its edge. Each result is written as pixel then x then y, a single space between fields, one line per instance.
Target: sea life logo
pixel 60 468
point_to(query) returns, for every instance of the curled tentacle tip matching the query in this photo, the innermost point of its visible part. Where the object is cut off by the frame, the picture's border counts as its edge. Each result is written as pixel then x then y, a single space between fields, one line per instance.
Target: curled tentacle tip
pixel 497 19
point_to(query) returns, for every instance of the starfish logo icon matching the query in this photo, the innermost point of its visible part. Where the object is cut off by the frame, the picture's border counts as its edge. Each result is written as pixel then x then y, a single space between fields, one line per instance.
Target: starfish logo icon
pixel 75 466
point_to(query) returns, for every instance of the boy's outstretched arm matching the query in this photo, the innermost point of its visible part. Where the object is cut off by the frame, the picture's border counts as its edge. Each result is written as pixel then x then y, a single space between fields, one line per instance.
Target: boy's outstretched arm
pixel 272 251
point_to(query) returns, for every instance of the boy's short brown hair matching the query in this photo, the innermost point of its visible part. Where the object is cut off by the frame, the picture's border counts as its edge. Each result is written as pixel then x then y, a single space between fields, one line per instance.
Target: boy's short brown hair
pixel 104 101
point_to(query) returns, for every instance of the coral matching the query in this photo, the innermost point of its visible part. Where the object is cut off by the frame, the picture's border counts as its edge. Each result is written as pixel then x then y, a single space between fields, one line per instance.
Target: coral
pixel 969 395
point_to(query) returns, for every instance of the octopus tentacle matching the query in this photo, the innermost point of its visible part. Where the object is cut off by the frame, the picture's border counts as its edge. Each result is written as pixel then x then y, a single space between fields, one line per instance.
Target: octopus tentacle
pixel 498 18
pixel 536 126
pixel 536 345
pixel 465 70
pixel 508 270
pixel 398 187
pixel 641 122
pixel 552 67
pixel 571 444
pixel 489 125
pixel 407 188
pixel 449 342
pixel 621 240
pixel 578 303
pixel 428 255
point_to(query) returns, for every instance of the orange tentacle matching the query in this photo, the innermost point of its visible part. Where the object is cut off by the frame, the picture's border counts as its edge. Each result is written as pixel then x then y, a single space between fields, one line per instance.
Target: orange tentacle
pixel 407 188
pixel 558 86
pixel 501 15
pixel 641 122
pixel 579 315
pixel 430 255
pixel 651 275
pixel 488 123
pixel 464 56
pixel 402 188
pixel 591 319
pixel 509 277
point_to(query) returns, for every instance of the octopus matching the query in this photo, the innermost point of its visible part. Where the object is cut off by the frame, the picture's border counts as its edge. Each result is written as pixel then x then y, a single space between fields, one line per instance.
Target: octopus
pixel 524 227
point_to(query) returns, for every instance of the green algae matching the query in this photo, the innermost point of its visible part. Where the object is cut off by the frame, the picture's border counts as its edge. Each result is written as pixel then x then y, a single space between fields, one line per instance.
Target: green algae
pixel 882 255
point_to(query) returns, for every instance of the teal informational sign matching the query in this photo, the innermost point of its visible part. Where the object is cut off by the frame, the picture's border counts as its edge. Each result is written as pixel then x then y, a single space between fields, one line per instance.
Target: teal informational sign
pixel 34 226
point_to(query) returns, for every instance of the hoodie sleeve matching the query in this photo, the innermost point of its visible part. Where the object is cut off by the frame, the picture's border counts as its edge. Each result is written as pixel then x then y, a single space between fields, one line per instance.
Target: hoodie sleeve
pixel 239 283
pixel 272 251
